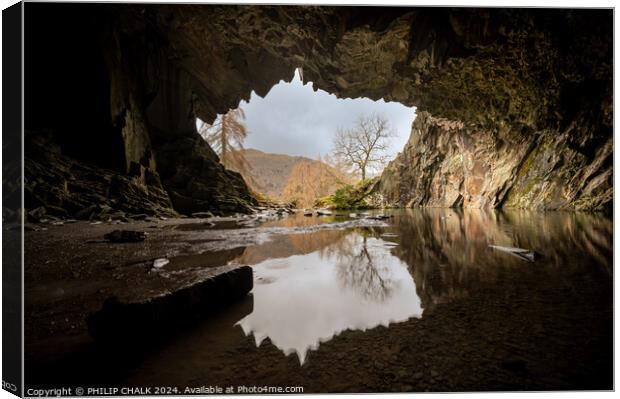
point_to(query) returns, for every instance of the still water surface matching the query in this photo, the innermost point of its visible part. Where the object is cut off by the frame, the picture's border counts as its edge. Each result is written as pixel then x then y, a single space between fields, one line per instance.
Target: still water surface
pixel 478 318
pixel 313 286
pixel 303 300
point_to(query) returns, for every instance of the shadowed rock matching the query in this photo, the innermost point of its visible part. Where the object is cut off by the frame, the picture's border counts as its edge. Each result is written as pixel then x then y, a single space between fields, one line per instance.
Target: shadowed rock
pixel 141 318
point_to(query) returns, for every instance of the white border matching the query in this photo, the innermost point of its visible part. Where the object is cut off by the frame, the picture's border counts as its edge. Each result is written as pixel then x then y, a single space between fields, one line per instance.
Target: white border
pixel 479 3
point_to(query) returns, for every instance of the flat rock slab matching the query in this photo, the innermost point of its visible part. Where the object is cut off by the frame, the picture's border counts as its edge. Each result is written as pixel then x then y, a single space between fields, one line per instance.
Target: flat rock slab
pixel 198 293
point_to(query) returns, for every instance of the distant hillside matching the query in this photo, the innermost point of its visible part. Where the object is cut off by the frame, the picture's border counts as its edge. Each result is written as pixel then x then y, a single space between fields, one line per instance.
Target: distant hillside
pixel 286 178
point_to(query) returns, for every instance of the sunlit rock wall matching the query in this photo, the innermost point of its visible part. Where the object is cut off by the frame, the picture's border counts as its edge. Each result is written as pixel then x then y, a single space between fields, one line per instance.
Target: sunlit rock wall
pixel 447 164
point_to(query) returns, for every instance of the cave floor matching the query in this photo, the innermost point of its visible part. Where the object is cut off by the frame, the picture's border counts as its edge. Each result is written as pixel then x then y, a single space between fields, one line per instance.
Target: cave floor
pixel 490 321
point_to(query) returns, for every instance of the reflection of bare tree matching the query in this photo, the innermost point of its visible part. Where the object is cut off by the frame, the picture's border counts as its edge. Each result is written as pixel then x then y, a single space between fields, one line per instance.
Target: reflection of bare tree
pixel 360 268
pixel 337 248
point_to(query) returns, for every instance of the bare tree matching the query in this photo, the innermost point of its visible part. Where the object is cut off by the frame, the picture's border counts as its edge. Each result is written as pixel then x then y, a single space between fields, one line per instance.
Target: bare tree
pixel 226 137
pixel 364 146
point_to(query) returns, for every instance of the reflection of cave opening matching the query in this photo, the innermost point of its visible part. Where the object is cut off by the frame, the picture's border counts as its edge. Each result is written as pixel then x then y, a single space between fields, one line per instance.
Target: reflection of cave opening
pixel 293 127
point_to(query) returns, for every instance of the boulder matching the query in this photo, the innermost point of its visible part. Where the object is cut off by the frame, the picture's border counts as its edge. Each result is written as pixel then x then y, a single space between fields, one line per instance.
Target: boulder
pixel 36 214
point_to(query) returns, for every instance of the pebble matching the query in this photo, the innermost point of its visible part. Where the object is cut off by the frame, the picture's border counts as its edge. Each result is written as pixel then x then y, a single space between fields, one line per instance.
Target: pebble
pixel 160 262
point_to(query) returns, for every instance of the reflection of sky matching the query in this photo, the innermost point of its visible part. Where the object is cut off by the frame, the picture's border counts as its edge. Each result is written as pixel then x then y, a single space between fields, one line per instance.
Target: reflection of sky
pixel 293 119
pixel 303 300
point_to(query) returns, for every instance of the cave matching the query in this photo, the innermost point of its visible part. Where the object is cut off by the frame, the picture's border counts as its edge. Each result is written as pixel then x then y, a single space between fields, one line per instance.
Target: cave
pixel 134 233
pixel 515 105
pixel 515 114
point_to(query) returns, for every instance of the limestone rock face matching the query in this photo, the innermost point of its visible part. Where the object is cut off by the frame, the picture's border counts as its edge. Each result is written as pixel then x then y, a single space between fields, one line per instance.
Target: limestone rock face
pixel 121 85
pixel 446 164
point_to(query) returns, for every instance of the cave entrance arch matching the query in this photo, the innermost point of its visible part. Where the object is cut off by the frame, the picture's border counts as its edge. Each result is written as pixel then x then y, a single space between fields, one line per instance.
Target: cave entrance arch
pixel 287 152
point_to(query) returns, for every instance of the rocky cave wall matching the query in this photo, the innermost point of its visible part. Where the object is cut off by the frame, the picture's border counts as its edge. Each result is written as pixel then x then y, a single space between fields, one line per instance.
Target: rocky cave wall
pixel 517 82
pixel 105 94
pixel 446 164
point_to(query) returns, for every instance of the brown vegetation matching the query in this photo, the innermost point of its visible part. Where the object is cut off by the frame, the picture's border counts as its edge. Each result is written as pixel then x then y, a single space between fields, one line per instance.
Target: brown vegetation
pixel 292 178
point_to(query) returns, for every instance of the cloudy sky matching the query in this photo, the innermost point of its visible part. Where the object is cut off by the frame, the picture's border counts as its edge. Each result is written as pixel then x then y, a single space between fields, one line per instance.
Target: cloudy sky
pixel 293 119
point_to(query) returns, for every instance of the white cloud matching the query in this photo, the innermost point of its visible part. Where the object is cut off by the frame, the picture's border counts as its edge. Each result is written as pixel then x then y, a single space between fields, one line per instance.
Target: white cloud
pixel 294 119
